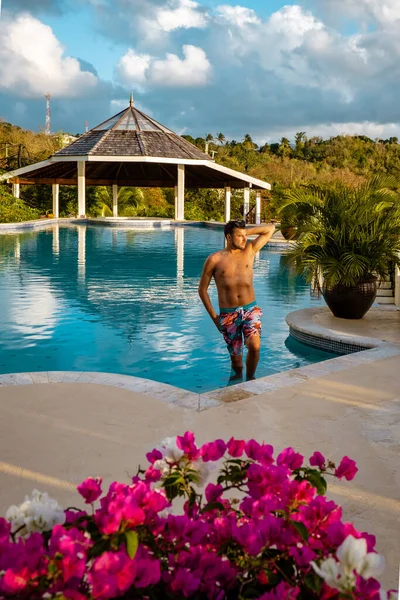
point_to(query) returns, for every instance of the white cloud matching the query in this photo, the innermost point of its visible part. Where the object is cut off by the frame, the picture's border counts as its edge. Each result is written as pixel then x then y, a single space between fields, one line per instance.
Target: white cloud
pixel 134 67
pixel 153 22
pixel 239 16
pixel 193 70
pixel 181 13
pixel 327 130
pixel 383 12
pixel 32 61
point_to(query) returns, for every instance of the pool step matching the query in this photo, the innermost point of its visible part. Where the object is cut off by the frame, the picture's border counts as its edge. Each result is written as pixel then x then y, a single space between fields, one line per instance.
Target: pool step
pixel 385 293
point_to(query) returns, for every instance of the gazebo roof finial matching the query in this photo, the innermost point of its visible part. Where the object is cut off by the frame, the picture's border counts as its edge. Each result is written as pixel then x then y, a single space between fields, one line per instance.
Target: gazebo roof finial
pixel 131 103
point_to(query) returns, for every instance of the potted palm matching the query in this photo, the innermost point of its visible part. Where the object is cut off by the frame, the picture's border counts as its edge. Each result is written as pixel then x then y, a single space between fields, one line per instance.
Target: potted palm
pixel 349 238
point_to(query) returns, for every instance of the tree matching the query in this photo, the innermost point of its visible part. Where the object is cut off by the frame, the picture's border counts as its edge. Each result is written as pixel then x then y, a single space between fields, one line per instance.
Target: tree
pixel 221 138
pixel 248 143
pixel 299 139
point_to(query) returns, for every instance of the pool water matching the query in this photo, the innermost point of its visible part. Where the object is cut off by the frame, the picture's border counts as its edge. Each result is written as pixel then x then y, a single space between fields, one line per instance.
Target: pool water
pixel 125 301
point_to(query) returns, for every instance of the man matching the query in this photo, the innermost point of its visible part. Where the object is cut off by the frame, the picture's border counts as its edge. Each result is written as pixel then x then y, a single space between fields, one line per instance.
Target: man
pixel 239 316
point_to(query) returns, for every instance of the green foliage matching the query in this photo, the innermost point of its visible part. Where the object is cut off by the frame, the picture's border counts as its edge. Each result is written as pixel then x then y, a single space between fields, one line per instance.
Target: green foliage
pixel 347 160
pixel 13 210
pixel 348 235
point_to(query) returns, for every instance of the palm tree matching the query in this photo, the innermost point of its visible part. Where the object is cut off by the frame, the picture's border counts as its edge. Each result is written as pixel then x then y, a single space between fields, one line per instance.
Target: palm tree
pixel 221 138
pixel 348 236
pixel 128 198
pixel 248 143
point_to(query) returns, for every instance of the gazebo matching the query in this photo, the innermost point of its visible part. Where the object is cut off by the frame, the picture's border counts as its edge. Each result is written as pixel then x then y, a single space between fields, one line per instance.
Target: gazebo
pixel 132 149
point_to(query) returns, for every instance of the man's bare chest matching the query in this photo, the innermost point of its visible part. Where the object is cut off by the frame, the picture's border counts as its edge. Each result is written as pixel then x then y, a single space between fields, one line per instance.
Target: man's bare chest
pixel 240 267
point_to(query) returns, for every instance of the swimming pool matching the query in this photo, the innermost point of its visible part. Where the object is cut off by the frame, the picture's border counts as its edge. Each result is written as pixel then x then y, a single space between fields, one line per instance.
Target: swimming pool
pixel 121 300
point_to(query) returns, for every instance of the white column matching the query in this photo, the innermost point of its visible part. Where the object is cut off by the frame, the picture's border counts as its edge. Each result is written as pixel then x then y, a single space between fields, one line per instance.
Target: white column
pixel 56 199
pixel 258 207
pixel 15 190
pixel 115 200
pixel 81 190
pixel 181 193
pixel 397 287
pixel 176 202
pixel 246 201
pixel 227 204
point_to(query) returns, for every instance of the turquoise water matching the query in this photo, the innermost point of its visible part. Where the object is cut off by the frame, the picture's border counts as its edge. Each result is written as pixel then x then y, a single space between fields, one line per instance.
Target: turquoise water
pixel 125 301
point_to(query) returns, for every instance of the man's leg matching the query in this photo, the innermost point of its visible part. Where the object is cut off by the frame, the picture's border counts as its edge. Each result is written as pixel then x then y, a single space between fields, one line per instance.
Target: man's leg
pixel 252 334
pixel 237 367
pixel 253 355
pixel 231 330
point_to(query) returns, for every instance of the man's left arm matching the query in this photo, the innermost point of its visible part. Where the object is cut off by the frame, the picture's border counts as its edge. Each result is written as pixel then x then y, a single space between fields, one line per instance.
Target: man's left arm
pixel 263 233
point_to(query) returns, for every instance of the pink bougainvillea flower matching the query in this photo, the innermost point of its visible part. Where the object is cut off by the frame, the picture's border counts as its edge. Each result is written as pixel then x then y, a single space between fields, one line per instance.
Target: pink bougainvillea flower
pixel 236 447
pixel 213 492
pixel 252 449
pixel 71 545
pixel 187 444
pixel 112 574
pixel 283 591
pixel 90 489
pixel 153 456
pixel 14 581
pixel 347 469
pixel 213 451
pixel 185 582
pixel 318 460
pixel 152 475
pixel 290 459
pixel 148 569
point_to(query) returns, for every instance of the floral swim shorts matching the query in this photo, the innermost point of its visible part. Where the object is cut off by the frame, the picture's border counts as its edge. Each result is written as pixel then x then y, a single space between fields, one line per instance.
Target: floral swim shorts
pixel 238 323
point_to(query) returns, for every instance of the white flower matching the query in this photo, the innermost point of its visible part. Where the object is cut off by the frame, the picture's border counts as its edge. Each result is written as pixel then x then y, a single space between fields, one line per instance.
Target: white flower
pixel 162 466
pixel 38 513
pixel 170 450
pixel 15 516
pixel 332 573
pixel 353 559
pixel 203 472
pixel 373 566
pixel 352 552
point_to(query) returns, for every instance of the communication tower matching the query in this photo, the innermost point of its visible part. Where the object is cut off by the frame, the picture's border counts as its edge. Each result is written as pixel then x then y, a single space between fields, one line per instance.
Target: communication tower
pixel 48 124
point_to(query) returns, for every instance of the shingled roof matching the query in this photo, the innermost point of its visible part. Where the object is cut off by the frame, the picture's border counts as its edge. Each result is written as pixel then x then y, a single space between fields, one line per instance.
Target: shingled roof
pixel 132 133
pixel 132 149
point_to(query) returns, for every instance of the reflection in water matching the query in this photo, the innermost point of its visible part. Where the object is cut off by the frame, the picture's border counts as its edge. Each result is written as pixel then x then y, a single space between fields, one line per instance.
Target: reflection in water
pixel 102 299
pixel 179 235
pixel 302 351
pixel 56 240
pixel 82 255
pixel 17 250
pixel 31 312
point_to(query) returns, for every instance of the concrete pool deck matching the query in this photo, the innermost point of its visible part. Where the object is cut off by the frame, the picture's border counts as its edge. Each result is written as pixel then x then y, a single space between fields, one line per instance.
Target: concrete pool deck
pixel 54 435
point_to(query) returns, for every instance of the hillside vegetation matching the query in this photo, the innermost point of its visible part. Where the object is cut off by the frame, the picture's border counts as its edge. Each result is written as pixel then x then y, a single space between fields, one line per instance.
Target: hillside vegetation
pixel 346 159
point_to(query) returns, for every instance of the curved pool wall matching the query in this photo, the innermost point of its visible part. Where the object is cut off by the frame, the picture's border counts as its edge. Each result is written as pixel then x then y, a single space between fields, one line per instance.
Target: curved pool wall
pixel 139 223
pixel 199 402
pixel 70 280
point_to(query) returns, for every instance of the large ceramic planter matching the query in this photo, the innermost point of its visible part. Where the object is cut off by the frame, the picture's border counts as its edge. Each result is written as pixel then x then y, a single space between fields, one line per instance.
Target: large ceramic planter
pixel 350 302
pixel 289 232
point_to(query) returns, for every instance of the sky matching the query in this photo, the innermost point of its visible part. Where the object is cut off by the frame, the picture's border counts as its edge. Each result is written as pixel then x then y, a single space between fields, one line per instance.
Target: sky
pixel 263 67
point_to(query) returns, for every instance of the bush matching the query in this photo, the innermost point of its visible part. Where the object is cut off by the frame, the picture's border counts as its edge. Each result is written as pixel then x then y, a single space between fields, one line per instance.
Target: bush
pixel 14 210
pixel 277 538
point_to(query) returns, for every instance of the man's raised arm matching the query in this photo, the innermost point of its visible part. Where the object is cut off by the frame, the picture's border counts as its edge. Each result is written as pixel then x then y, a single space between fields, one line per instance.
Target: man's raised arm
pixel 205 279
pixel 264 233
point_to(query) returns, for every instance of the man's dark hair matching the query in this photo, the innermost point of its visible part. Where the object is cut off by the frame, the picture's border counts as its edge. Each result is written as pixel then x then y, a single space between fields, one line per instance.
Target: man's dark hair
pixel 231 225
